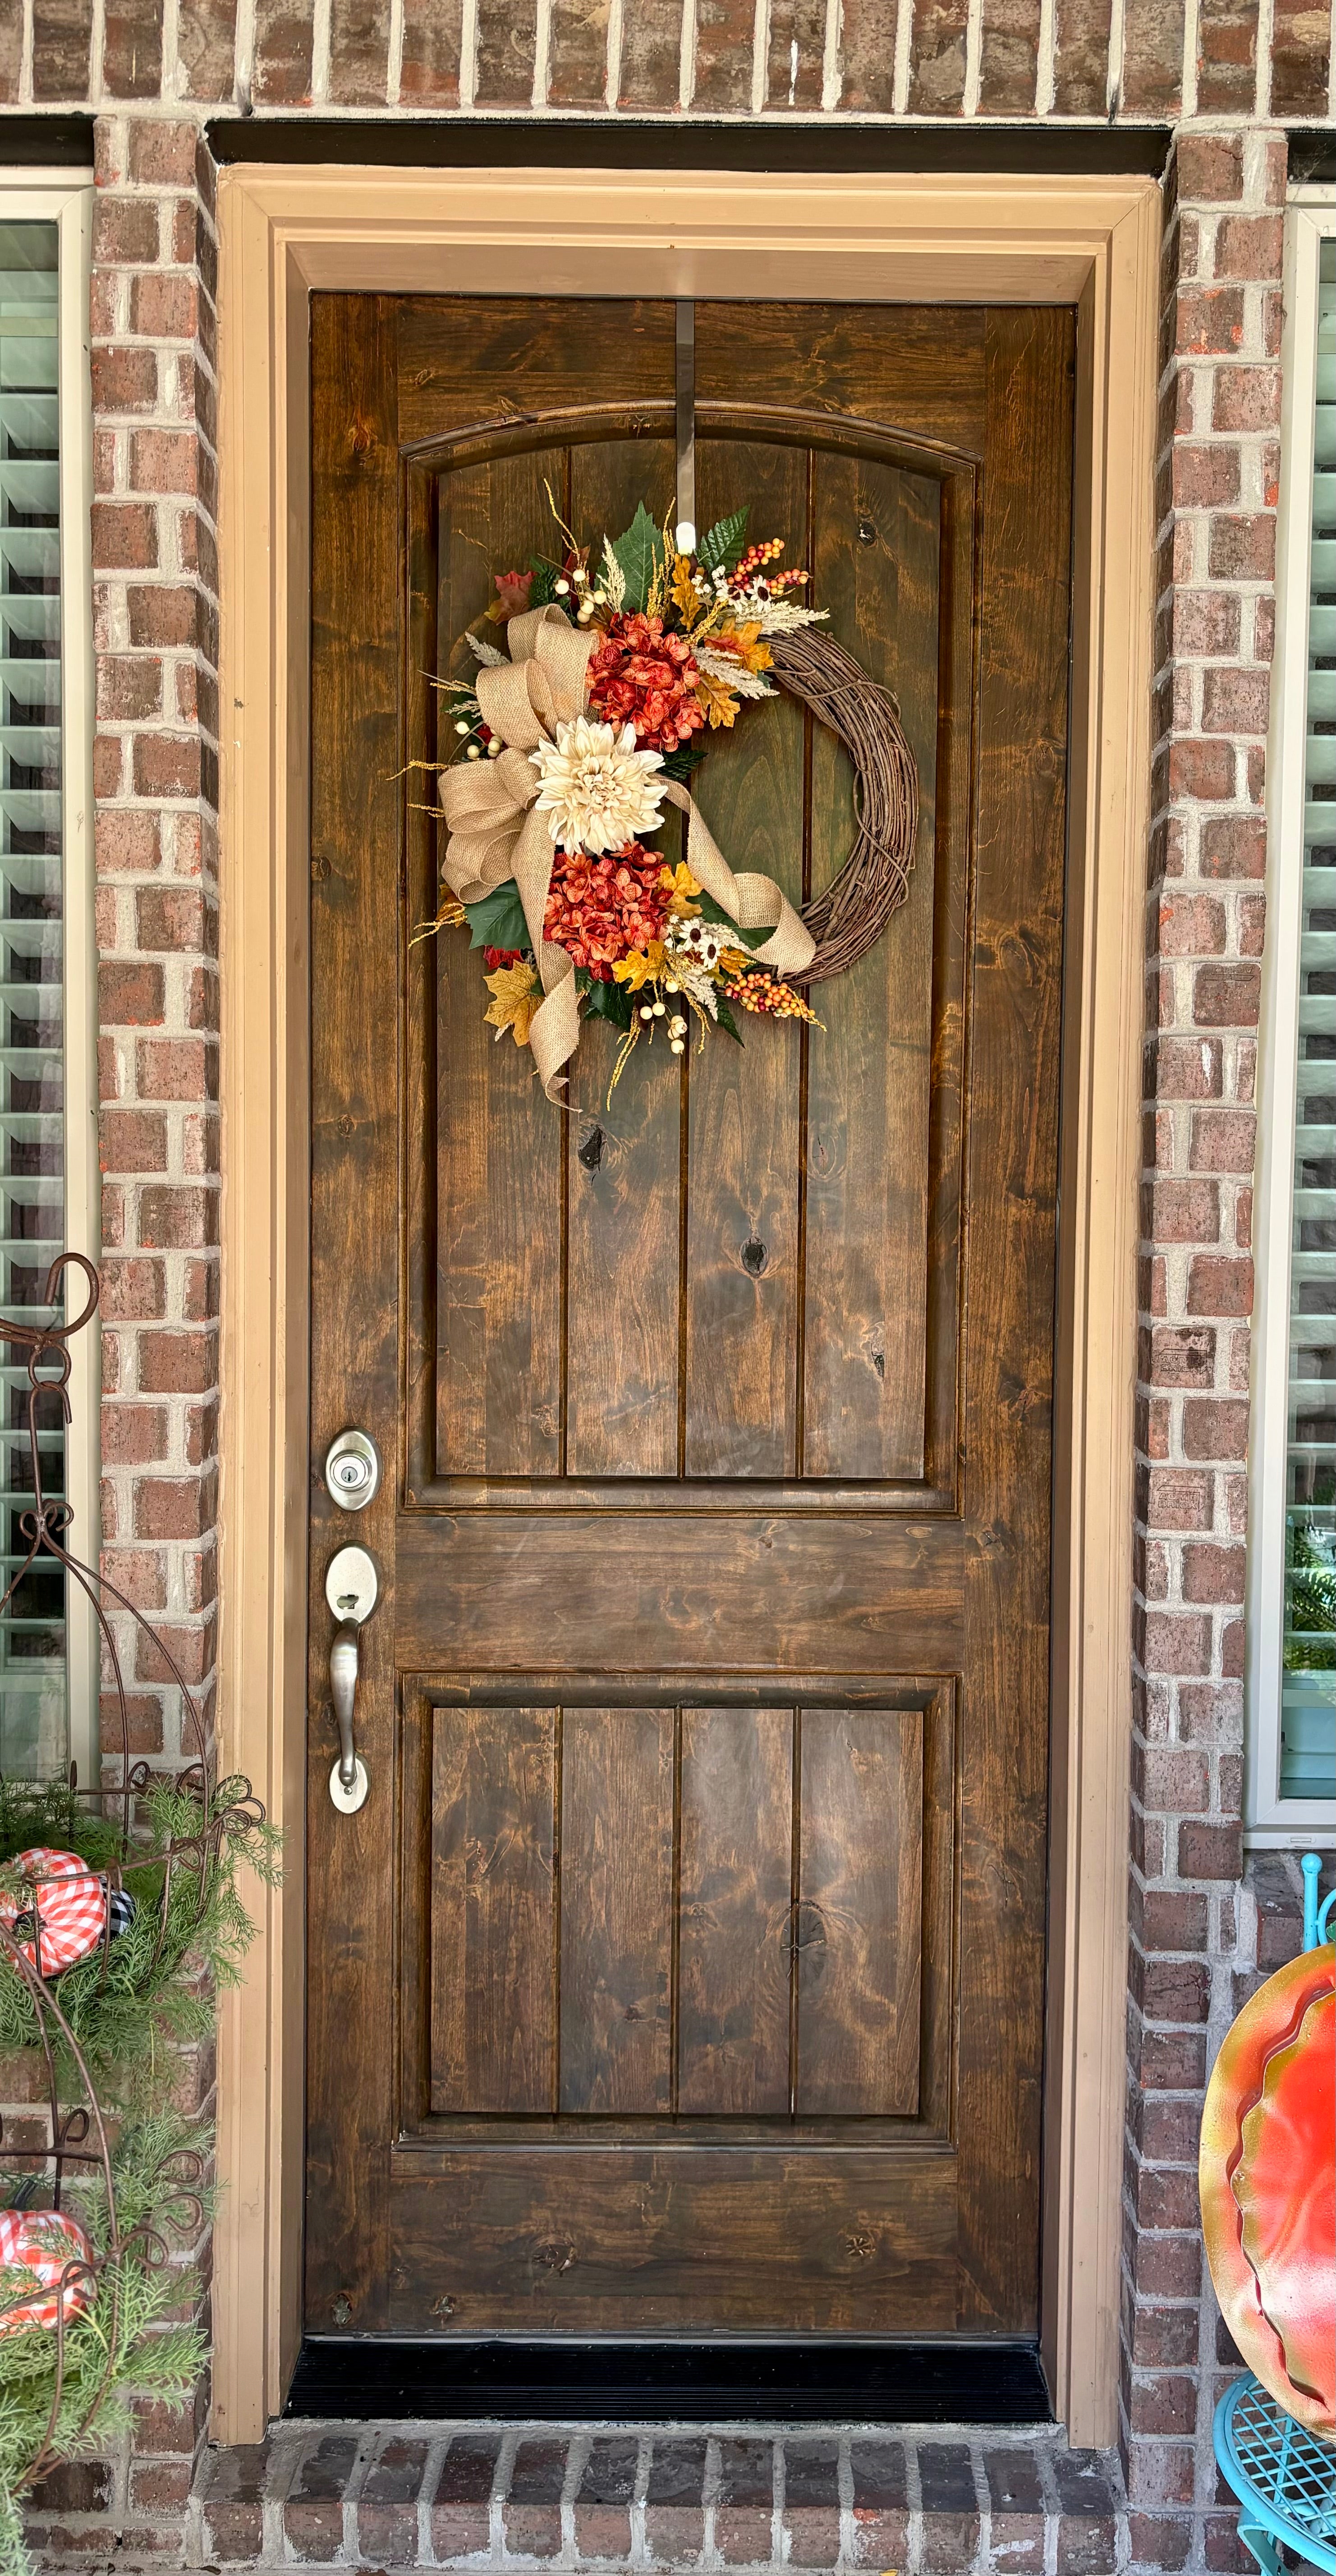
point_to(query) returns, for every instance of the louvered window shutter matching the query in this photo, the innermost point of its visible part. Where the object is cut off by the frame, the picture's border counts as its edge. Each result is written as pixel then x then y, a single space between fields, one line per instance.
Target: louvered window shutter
pixel 1308 1694
pixel 33 1728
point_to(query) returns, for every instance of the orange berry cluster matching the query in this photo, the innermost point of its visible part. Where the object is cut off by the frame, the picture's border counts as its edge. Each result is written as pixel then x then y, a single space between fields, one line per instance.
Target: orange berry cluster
pixel 757 557
pixel 760 992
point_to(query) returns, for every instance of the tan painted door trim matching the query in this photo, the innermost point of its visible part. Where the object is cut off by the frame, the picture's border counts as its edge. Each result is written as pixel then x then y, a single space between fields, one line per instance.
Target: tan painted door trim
pixel 1092 243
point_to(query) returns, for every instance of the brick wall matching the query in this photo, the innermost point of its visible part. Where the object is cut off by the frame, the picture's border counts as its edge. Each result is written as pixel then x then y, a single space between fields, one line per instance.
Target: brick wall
pixel 921 58
pixel 154 69
pixel 1217 484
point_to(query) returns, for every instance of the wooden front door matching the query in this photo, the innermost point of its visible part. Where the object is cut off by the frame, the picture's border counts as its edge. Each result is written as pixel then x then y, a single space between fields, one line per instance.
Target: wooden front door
pixel 683 1971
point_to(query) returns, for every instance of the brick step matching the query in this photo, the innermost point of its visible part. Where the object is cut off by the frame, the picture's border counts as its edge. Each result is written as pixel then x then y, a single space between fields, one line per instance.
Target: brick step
pixel 426 2495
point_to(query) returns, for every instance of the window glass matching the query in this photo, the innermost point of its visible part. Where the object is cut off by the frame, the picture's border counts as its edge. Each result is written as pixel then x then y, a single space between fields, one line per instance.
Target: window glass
pixel 33 1685
pixel 1308 1696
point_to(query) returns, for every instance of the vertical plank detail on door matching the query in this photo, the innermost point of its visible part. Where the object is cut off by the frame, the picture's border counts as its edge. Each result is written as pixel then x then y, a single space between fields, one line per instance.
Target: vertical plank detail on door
pixel 859 1919
pixel 492 1902
pixel 869 1074
pixel 742 1213
pixel 498 1369
pixel 617 1834
pixel 625 1293
pixel 737 1788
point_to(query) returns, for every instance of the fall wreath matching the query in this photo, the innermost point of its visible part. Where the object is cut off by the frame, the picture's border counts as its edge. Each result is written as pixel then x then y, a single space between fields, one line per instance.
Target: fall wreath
pixel 595 695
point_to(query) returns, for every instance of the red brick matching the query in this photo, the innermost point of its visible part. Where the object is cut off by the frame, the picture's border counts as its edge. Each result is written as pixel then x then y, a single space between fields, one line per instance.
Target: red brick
pixel 1243 549
pixel 937 56
pixel 795 49
pixel 1180 1355
pixel 206 48
pixel 1204 477
pixel 723 57
pixel 1080 57
pixel 1215 1427
pixel 129 687
pixel 505 53
pixel 138 1574
pixel 1153 59
pixel 1179 1498
pixel 176 1069
pixel 1250 246
pixel 163 613
pixel 167 460
pixel 1223 1140
pixel 1235 701
pixel 1245 397
pixel 1184 1069
pixel 177 1218
pixel 132 48
pixel 1227 58
pixel 1167 1777
pixel 193 1650
pixel 359 52
pixel 132 1140
pixel 163 154
pixel 430 72
pixel 1226 997
pixel 1192 925
pixel 1179 1211
pixel 125 232
pixel 1300 58
pixel 1176 1643
pixel 167 764
pixel 130 994
pixel 1233 846
pixel 172 917
pixel 1210 1851
pixel 125 536
pixel 1219 1285
pixel 1208 168
pixel 164 306
pixel 61 42
pixel 1009 57
pixel 1201 769
pixel 11 57
pixel 1205 621
pixel 1213 1573
pixel 1209 323
pixel 172 1363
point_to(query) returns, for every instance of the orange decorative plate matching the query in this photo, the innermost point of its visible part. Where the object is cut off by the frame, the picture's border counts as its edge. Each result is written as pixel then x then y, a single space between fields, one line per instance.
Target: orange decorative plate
pixel 1268 2186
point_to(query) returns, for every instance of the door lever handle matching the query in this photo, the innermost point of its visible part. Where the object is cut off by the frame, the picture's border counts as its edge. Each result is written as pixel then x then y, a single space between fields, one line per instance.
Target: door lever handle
pixel 343 1690
pixel 350 1589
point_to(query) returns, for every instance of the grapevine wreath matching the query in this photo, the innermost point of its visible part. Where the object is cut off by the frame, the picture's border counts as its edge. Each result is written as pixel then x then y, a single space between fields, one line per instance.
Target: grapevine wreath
pixel 595 696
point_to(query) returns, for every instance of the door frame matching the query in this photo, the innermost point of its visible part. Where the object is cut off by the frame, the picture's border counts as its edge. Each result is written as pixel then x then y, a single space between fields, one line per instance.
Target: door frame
pixel 284 234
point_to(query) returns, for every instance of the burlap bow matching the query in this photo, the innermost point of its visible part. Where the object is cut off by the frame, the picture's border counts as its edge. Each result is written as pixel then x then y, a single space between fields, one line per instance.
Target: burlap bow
pixel 495 832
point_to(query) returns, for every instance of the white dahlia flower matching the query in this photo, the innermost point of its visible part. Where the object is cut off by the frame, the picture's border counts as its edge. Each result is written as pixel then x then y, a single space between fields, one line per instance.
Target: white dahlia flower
pixel 598 791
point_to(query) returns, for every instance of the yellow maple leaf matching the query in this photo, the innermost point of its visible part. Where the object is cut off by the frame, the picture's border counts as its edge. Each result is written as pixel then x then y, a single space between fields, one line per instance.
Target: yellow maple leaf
pixel 680 886
pixel 717 698
pixel 685 595
pixel 643 966
pixel 516 994
pixel 746 642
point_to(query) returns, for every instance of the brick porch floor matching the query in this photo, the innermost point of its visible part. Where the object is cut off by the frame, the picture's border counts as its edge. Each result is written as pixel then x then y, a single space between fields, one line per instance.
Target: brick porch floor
pixel 936 2503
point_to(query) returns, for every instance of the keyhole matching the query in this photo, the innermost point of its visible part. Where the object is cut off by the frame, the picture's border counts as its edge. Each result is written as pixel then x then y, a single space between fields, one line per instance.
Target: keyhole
pixel 590 1153
pixel 754 1257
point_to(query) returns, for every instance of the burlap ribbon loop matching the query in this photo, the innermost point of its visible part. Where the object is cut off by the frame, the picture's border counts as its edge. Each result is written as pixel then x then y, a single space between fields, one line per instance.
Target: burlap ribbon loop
pixel 496 834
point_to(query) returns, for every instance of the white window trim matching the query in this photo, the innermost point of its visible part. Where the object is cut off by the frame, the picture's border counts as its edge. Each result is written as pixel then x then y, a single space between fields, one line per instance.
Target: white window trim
pixel 1273 1821
pixel 65 198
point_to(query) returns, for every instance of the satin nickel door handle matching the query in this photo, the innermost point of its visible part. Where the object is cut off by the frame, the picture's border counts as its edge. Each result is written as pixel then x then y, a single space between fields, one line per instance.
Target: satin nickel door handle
pixel 351 1587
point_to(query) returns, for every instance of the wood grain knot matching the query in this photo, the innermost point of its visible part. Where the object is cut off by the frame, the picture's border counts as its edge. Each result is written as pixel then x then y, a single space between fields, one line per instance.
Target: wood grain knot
pixel 861 2246
pixel 341 2309
pixel 590 1150
pixel 556 2258
pixel 755 1257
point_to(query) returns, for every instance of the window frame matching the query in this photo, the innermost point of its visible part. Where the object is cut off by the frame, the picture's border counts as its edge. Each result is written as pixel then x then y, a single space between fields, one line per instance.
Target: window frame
pixel 1270 1820
pixel 65 198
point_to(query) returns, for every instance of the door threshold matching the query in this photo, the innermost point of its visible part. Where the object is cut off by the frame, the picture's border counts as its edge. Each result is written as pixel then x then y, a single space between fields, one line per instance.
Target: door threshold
pixel 725 2381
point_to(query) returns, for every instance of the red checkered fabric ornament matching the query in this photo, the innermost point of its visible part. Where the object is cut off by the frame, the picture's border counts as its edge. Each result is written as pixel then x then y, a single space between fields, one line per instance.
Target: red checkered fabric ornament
pixel 70 1902
pixel 43 2242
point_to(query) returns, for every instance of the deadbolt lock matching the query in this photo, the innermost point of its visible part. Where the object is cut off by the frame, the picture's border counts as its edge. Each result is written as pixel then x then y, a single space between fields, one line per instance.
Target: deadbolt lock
pixel 352 1470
